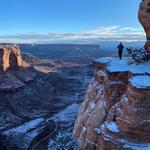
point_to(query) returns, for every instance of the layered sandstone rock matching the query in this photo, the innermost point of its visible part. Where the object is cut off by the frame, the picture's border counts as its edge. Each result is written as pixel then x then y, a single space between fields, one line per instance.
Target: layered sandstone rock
pixel 115 112
pixel 14 72
pixel 10 57
pixel 144 18
pixel 128 122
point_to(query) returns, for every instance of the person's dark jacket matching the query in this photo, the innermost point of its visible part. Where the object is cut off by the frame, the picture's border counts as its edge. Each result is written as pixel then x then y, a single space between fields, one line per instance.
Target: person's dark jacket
pixel 120 47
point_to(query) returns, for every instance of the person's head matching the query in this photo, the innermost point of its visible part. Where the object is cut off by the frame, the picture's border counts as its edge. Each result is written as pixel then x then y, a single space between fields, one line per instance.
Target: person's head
pixel 120 43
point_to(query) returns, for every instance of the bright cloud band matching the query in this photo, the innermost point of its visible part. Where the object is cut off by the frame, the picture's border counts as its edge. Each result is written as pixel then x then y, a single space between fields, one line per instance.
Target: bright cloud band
pixel 111 33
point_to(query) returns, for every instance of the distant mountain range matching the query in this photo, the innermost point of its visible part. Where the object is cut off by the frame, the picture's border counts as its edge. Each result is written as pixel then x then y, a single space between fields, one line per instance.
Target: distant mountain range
pixel 64 51
pixel 76 51
pixel 61 51
pixel 111 45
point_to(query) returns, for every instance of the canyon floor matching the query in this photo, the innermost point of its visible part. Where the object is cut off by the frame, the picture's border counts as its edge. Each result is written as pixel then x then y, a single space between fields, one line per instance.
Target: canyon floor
pixel 53 97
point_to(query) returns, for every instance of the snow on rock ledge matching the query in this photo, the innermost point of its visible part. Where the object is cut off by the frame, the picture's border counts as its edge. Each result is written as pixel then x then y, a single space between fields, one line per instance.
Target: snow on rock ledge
pixel 140 81
pixel 115 113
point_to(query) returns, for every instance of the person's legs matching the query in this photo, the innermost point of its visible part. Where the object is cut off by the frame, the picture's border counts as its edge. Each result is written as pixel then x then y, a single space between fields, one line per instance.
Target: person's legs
pixel 120 54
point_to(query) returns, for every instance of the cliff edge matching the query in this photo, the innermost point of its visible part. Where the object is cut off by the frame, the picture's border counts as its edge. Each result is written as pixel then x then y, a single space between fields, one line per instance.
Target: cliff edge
pixel 115 114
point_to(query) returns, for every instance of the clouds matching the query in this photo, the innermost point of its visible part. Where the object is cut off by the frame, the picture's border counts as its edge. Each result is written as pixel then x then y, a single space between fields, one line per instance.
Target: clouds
pixel 93 36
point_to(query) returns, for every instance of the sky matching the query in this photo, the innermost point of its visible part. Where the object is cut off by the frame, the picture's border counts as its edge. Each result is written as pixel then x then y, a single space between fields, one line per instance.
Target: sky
pixel 69 21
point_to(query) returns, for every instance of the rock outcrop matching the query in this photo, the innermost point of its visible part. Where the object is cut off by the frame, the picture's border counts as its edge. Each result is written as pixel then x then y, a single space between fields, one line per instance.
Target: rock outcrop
pixel 10 57
pixel 144 18
pixel 115 114
pixel 14 72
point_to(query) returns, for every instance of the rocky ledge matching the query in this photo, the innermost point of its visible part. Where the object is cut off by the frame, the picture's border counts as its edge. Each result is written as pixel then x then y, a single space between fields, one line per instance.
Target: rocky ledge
pixel 14 72
pixel 115 114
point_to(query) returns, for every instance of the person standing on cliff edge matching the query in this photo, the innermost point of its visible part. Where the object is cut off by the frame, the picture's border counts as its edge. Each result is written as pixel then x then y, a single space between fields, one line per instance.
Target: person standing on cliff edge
pixel 120 50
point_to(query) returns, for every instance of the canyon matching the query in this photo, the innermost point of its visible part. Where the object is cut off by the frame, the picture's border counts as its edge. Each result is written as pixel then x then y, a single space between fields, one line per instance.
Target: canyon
pixel 46 89
pixel 42 87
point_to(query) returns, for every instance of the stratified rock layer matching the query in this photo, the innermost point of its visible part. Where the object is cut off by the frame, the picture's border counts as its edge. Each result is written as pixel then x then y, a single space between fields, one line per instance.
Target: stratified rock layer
pixel 10 57
pixel 14 72
pixel 115 114
pixel 144 18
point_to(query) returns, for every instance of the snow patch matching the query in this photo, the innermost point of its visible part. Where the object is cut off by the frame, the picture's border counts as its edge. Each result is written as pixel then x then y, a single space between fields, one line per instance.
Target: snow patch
pixel 84 129
pixel 118 66
pixel 101 73
pixel 68 114
pixel 104 60
pixel 102 104
pixel 97 130
pixel 140 81
pixel 26 132
pixel 91 105
pixel 26 127
pixel 112 126
pixel 124 65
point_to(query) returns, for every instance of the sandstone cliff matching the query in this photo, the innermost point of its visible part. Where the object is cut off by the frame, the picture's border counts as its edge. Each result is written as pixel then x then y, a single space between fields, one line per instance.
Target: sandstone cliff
pixel 144 18
pixel 14 72
pixel 115 114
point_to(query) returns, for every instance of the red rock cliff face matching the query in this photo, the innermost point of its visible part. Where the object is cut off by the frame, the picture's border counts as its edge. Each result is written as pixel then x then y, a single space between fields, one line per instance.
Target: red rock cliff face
pixel 10 57
pixel 14 72
pixel 144 18
pixel 115 114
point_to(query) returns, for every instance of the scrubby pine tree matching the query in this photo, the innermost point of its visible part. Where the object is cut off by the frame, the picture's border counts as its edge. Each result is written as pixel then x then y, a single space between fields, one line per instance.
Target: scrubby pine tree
pixel 139 55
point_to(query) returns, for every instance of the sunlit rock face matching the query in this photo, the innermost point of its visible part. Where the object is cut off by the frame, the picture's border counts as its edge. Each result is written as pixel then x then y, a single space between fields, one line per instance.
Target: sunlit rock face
pixel 14 71
pixel 115 114
pixel 10 57
pixel 144 18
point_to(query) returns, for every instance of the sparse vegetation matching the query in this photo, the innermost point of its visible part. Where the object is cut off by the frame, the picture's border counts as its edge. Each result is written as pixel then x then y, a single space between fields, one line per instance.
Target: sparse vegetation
pixel 139 55
pixel 64 141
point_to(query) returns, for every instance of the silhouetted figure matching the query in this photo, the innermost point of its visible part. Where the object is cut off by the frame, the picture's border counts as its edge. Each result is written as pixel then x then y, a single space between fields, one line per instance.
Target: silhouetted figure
pixel 120 50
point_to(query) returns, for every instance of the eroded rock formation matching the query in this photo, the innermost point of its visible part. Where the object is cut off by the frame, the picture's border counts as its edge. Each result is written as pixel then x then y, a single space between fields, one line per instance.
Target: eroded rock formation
pixel 115 114
pixel 13 70
pixel 144 18
pixel 10 57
